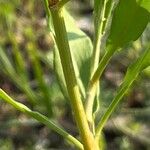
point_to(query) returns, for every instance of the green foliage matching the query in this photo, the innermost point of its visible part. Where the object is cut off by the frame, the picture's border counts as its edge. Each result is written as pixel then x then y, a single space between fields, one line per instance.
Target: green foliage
pixel 77 64
pixel 133 71
pixel 39 117
pixel 128 23
pixel 144 3
pixel 81 50
pixel 9 70
pixel 126 27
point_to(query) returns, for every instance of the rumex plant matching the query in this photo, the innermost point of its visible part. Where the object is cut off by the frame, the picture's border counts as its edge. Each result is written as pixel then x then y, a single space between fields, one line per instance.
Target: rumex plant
pixel 79 66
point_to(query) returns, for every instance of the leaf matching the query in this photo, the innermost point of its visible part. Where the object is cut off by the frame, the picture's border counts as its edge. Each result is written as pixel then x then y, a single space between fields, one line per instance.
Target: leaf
pixel 147 72
pixel 128 23
pixel 81 51
pixel 132 73
pixel 6 64
pixel 41 118
pixel 8 68
pixel 137 67
pixel 144 3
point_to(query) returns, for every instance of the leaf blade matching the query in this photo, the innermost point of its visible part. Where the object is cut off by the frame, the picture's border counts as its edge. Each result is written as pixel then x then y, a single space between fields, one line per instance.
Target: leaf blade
pixel 145 4
pixel 81 51
pixel 39 117
pixel 133 71
pixel 128 23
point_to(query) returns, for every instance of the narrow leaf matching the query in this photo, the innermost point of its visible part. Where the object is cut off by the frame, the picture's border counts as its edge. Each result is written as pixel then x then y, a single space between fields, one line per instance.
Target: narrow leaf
pixel 41 118
pixel 133 71
pixel 7 67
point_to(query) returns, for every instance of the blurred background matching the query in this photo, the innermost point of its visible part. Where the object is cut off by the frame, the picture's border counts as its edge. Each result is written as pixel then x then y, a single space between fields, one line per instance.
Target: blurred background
pixel 27 74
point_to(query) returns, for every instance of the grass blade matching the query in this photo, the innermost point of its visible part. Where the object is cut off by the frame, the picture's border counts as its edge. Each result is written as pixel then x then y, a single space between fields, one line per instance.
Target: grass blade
pixel 8 69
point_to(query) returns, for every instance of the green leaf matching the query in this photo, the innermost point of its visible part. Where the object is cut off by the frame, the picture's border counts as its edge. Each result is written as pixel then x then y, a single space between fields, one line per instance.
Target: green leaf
pixel 41 118
pixel 7 67
pixel 5 64
pixel 132 73
pixel 137 67
pixel 128 23
pixel 144 3
pixel 147 72
pixel 81 50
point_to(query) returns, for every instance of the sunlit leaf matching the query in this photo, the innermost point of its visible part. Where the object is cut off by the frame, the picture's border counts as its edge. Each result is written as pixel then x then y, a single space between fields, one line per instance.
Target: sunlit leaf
pixel 132 73
pixel 144 3
pixel 128 23
pixel 40 118
pixel 81 50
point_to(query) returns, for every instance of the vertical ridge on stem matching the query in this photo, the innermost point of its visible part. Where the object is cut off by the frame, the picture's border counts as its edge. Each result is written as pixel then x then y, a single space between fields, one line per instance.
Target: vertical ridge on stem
pixel 71 81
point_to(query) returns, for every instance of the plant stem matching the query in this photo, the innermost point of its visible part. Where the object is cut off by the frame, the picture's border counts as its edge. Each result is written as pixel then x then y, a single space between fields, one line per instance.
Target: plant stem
pixel 41 118
pixel 95 79
pixel 98 23
pixel 110 49
pixel 71 81
pixel 93 84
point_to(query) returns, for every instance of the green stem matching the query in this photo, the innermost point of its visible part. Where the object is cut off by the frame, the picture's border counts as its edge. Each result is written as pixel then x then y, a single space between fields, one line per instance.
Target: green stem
pixel 71 81
pixel 110 4
pixel 41 118
pixel 110 49
pixel 99 23
pixel 92 88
